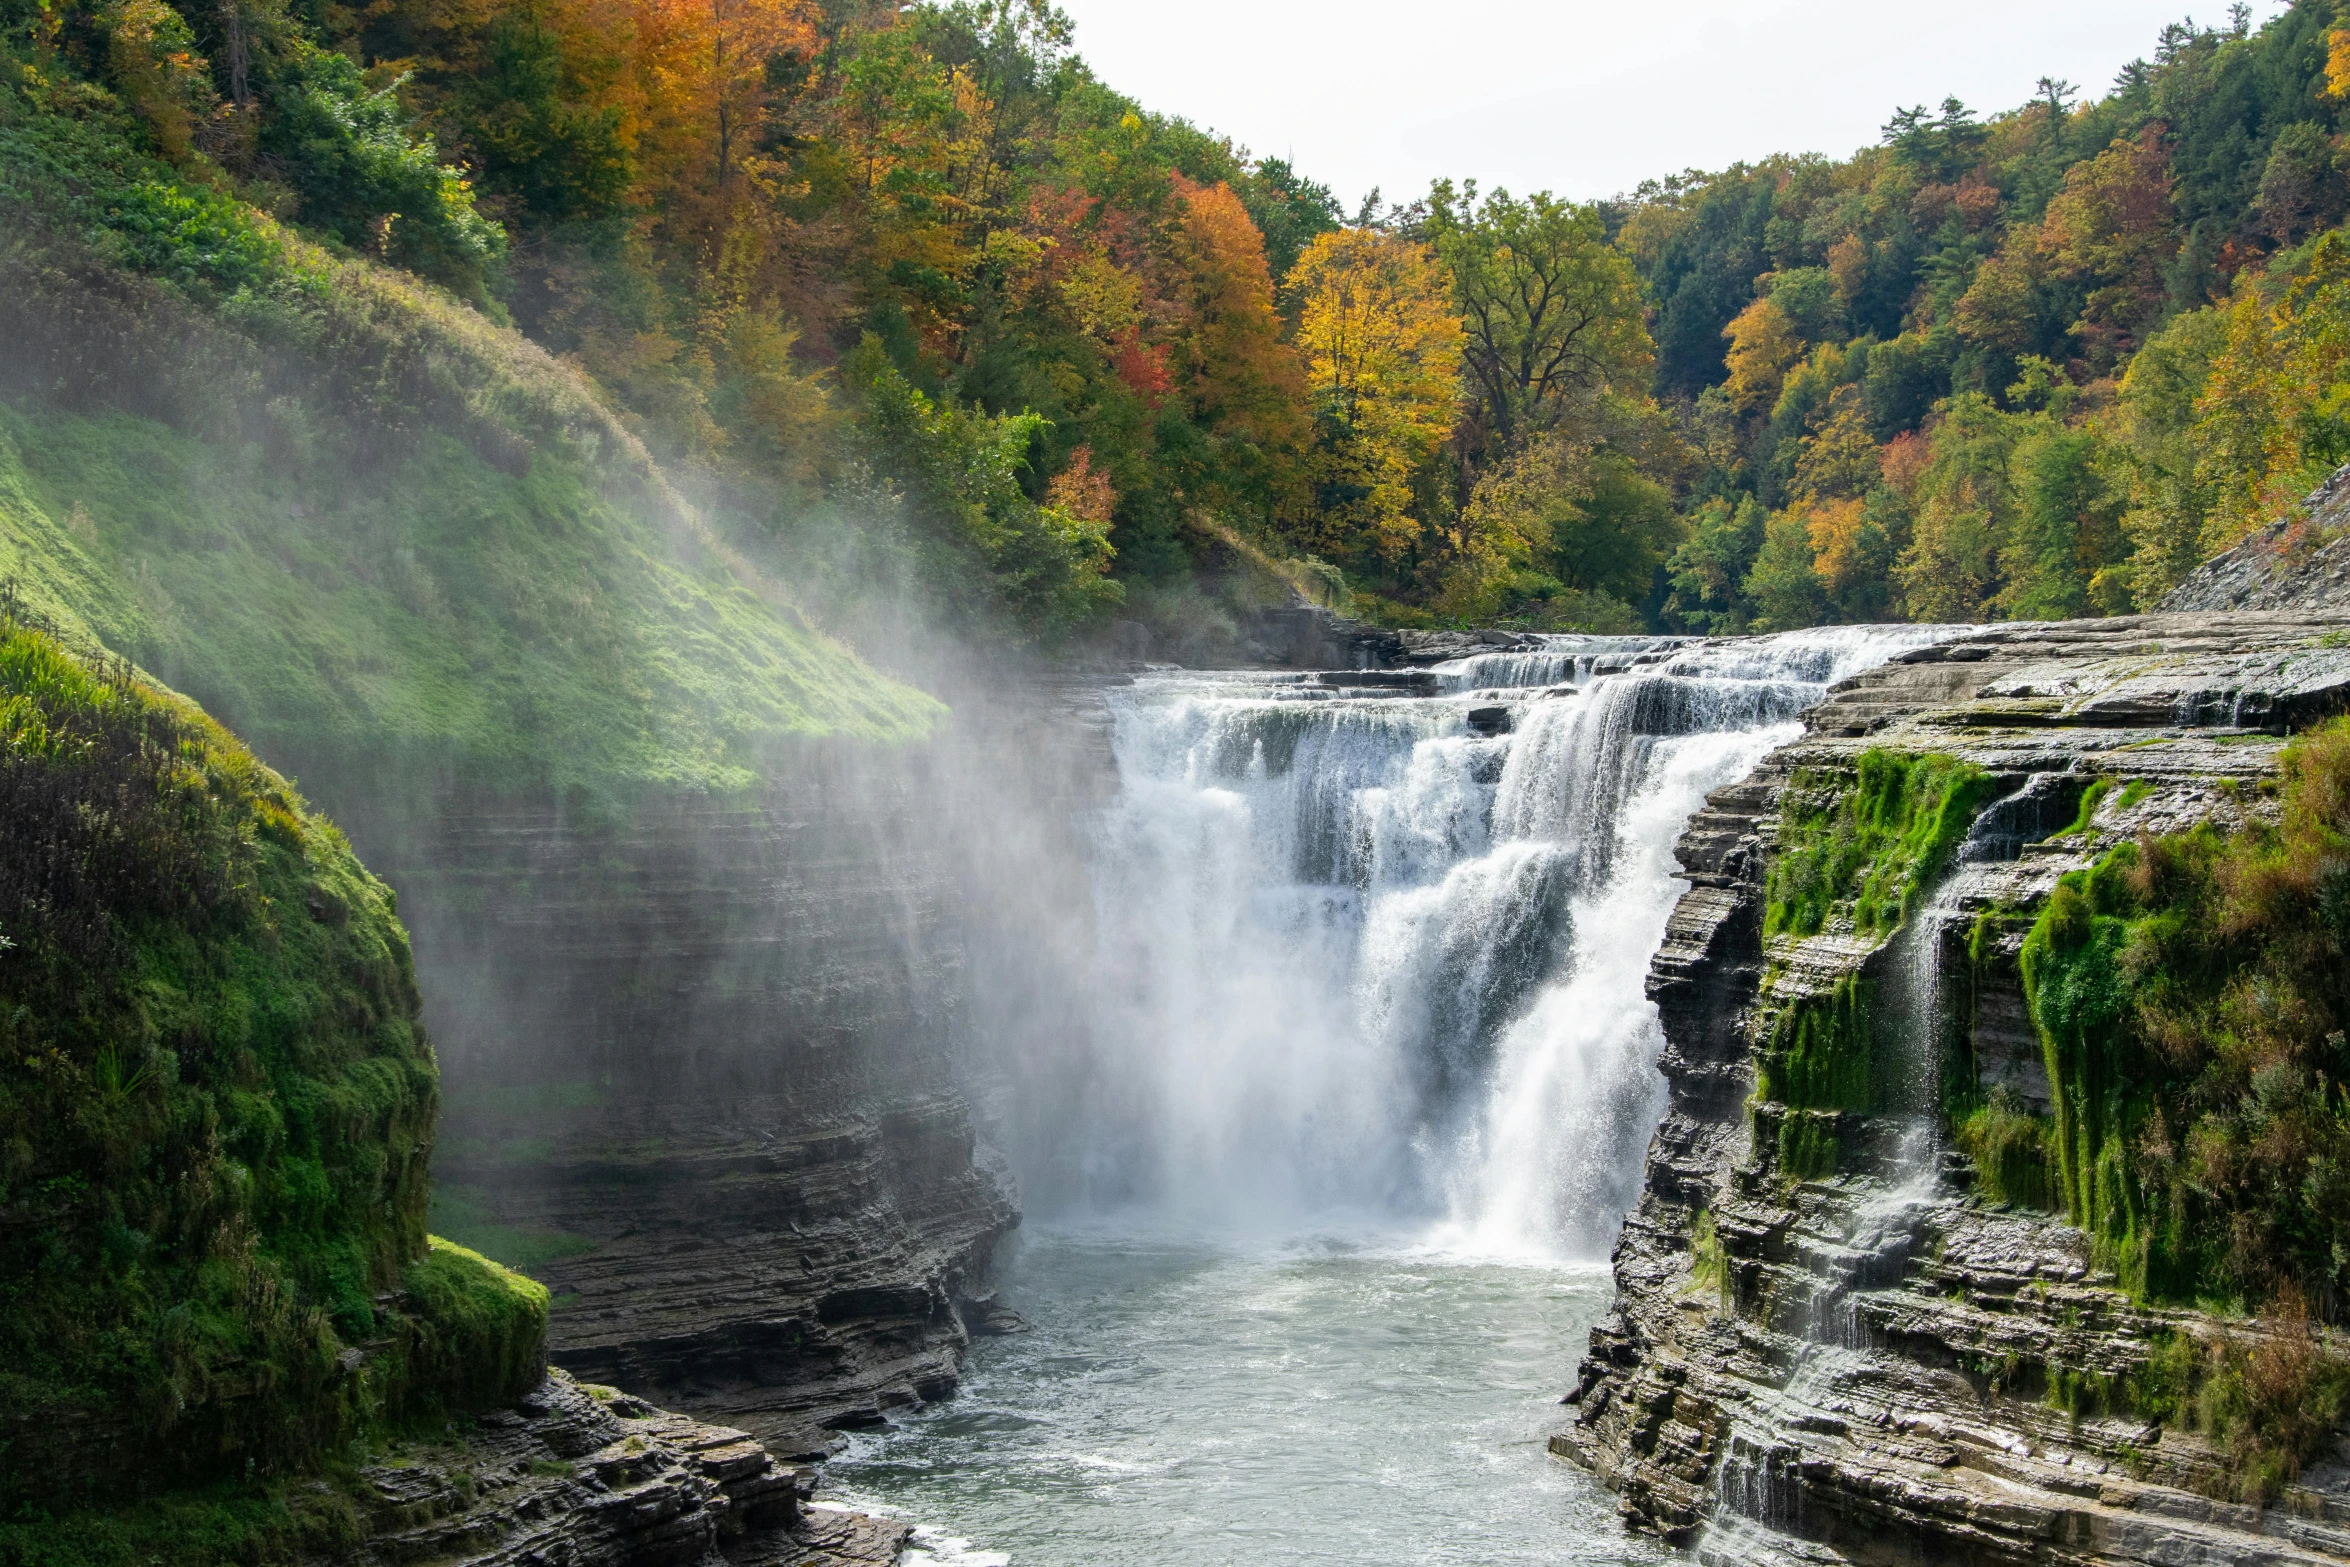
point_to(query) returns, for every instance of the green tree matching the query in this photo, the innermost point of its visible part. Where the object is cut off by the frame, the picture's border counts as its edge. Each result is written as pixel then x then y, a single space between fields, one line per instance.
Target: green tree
pixel 1289 210
pixel 1785 590
pixel 1709 570
pixel 1552 310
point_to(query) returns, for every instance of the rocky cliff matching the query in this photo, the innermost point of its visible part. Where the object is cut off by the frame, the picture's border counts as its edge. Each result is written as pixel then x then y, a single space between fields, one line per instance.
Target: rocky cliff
pixel 587 1476
pixel 689 945
pixel 706 1080
pixel 2297 562
pixel 1829 1343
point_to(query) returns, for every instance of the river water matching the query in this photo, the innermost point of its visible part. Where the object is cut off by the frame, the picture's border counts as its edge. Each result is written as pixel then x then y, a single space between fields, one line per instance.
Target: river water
pixel 1185 1400
pixel 1368 1075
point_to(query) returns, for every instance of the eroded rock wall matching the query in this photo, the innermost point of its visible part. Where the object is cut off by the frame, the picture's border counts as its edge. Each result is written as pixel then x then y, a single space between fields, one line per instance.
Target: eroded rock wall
pixel 711 1062
pixel 1866 1366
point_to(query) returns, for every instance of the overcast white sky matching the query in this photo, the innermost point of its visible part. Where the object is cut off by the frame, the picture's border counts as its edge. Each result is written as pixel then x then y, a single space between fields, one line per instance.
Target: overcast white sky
pixel 1588 99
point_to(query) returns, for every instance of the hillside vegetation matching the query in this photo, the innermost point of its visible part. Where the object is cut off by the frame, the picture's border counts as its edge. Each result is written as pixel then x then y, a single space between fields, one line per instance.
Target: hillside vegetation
pixel 216 1111
pixel 352 513
pixel 944 327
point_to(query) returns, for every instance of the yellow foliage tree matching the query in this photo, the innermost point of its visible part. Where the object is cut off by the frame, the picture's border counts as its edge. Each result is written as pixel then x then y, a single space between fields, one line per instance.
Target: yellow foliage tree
pixel 1382 347
pixel 1763 346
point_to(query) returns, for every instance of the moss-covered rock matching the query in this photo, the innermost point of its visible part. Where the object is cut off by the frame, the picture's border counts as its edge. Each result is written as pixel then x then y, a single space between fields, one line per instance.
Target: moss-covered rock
pixel 1863 847
pixel 2192 992
pixel 216 1111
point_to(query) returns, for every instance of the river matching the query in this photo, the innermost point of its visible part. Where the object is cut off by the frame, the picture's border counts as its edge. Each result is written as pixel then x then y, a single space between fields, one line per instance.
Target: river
pixel 1186 1400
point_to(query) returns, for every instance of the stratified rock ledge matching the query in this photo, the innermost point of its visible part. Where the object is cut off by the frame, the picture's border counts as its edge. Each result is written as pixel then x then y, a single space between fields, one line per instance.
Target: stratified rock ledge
pixel 583 1476
pixel 1860 1373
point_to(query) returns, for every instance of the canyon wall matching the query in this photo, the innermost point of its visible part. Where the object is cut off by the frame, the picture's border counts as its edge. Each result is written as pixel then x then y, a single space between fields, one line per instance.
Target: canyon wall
pixel 1872 1362
pixel 709 975
pixel 711 1060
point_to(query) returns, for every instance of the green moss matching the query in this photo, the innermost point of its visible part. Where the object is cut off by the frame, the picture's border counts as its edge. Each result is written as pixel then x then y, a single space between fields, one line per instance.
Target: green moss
pixel 1810 1148
pixel 216 1109
pixel 1867 846
pixel 1822 1053
pixel 2192 993
pixel 2015 1154
pixel 1709 1265
pixel 2091 798
pixel 483 1333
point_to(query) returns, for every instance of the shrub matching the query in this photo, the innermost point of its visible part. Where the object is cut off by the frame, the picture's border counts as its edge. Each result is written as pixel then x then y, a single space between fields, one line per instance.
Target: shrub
pixel 2272 1401
pixel 365 180
pixel 958 468
pixel 2014 1153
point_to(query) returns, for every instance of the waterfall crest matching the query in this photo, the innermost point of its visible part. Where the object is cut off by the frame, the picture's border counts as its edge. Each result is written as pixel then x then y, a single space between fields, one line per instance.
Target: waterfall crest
pixel 1358 952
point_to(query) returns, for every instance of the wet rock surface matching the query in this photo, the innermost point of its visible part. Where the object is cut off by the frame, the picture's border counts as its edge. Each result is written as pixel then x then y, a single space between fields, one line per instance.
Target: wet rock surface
pixel 586 1476
pixel 1863 1367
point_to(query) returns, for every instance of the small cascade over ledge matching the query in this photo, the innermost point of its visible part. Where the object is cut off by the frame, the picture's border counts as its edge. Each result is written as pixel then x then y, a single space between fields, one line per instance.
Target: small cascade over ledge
pixel 1380 949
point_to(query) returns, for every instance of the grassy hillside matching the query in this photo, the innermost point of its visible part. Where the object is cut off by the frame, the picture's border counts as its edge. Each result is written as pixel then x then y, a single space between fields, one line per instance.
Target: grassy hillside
pixel 336 504
pixel 216 1112
pixel 532 625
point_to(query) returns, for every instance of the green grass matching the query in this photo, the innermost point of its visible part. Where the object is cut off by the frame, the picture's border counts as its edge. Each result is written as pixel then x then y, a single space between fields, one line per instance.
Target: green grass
pixel 1865 847
pixel 2091 798
pixel 532 628
pixel 348 513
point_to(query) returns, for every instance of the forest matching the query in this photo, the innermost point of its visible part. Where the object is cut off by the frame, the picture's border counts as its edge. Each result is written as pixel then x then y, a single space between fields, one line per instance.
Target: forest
pixel 915 300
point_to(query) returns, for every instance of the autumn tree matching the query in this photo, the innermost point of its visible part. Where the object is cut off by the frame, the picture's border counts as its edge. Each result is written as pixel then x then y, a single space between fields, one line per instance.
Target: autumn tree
pixel 1382 351
pixel 2107 236
pixel 2273 418
pixel 1763 348
pixel 1245 383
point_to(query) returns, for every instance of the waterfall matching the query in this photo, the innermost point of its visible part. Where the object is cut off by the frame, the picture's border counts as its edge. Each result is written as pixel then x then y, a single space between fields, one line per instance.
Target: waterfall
pixel 1356 953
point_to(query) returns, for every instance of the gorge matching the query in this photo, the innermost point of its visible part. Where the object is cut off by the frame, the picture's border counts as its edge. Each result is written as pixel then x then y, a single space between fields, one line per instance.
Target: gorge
pixel 1844 1327
pixel 779 791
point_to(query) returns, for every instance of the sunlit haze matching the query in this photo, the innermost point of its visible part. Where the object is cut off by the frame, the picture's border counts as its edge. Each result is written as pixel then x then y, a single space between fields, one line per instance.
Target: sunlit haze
pixel 1588 99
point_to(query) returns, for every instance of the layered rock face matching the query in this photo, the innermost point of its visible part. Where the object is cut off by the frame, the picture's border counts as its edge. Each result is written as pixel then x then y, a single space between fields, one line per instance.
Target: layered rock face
pixel 590 1477
pixel 704 1072
pixel 1869 1366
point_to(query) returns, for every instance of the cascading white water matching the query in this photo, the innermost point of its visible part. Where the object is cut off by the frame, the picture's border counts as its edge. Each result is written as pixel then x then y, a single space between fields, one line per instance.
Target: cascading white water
pixel 1355 954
